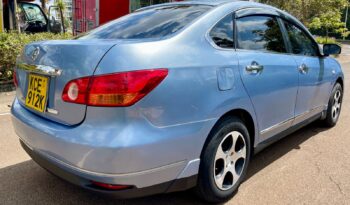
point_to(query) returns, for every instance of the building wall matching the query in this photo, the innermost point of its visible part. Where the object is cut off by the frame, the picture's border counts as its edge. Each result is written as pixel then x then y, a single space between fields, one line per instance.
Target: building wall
pixel 112 9
pixel 88 14
pixel 67 12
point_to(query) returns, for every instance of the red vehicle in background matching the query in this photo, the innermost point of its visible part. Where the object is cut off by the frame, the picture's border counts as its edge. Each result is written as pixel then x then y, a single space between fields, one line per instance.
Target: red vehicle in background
pixel 89 14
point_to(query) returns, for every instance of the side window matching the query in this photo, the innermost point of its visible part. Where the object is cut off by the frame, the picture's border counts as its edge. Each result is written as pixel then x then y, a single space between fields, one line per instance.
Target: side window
pixel 300 41
pixel 222 33
pixel 260 33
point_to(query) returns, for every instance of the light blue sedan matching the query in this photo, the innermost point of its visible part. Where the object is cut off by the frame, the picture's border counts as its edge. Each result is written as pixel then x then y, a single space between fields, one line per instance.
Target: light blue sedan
pixel 173 96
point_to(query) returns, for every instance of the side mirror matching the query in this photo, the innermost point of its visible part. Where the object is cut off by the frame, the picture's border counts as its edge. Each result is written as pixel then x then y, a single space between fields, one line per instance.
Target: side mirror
pixel 331 49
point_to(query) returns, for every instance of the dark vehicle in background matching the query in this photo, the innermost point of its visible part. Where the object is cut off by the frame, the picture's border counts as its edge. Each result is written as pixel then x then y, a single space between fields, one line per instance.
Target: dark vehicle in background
pixel 87 14
pixel 31 18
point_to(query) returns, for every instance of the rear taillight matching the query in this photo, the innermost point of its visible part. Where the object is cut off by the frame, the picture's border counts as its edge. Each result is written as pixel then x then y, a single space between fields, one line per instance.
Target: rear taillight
pixel 15 81
pixel 117 89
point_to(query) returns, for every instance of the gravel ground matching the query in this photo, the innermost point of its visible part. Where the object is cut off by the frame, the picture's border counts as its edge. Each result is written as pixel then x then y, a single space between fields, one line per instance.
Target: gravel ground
pixel 311 166
pixel 6 101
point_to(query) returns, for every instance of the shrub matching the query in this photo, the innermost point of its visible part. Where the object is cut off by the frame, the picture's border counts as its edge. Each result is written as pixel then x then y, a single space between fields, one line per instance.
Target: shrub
pixel 324 40
pixel 11 45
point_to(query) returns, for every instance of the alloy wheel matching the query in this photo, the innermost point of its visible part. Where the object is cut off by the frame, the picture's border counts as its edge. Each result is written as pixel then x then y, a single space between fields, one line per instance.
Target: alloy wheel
pixel 229 161
pixel 336 105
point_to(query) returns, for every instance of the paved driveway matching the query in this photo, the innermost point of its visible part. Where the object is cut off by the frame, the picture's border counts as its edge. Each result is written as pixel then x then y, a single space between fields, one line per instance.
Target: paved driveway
pixel 311 166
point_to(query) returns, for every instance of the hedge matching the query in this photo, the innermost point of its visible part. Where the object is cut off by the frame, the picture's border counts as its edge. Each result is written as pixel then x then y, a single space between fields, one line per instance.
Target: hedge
pixel 324 40
pixel 11 45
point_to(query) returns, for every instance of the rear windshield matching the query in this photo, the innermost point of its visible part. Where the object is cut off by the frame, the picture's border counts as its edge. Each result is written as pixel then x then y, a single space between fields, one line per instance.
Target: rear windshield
pixel 150 23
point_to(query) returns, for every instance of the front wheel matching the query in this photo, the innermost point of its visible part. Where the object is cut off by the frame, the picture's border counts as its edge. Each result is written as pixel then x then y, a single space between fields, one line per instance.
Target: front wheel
pixel 224 161
pixel 334 106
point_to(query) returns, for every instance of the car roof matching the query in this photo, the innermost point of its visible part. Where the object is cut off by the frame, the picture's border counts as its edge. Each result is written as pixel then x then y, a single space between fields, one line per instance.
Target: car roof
pixel 212 2
pixel 244 4
pixel 238 4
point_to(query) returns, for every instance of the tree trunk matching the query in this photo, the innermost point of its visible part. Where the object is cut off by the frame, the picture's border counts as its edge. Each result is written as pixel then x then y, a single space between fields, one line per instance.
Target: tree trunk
pixel 303 12
pixel 1 18
pixel 62 20
pixel 43 5
pixel 18 28
pixel 346 19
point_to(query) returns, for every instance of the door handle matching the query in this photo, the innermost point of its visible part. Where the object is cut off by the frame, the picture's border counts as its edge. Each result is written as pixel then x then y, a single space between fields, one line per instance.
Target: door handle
pixel 303 69
pixel 254 67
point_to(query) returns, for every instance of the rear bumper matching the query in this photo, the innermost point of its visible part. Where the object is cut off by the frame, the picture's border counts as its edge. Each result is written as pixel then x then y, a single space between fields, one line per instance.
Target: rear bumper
pixel 75 177
pixel 121 152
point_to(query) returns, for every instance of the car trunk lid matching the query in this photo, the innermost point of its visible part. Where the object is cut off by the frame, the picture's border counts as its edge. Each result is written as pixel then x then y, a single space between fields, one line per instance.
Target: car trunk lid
pixel 58 62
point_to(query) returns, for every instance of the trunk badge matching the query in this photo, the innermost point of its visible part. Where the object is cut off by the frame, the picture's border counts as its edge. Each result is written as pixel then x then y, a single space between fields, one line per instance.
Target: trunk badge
pixel 35 53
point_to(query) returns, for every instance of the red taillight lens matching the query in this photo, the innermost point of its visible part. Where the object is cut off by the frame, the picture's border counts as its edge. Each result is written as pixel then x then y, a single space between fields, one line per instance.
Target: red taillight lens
pixel 15 81
pixel 118 89
pixel 110 186
pixel 123 89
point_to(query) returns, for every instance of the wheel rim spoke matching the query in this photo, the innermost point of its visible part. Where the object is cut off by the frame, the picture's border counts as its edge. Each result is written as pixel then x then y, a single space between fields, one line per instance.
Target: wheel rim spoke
pixel 337 96
pixel 219 179
pixel 338 105
pixel 238 155
pixel 232 170
pixel 220 154
pixel 235 137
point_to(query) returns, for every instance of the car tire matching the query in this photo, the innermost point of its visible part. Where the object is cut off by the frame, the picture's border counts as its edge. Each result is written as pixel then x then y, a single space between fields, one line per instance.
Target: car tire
pixel 334 106
pixel 224 161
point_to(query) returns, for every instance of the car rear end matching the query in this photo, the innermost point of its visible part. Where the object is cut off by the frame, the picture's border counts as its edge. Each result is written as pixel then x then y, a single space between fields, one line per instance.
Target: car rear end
pixel 88 116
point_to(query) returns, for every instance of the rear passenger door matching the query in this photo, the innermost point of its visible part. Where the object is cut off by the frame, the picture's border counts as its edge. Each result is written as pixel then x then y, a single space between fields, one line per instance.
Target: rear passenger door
pixel 269 74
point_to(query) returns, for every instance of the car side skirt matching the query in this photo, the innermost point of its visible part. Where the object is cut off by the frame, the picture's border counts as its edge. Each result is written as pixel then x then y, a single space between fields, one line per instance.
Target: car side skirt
pixel 287 132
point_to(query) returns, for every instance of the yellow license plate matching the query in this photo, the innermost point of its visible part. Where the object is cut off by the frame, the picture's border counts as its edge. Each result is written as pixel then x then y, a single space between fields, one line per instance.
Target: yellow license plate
pixel 37 92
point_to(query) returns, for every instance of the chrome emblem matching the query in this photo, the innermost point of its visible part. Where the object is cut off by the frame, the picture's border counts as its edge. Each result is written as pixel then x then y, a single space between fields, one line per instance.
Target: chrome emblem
pixel 35 53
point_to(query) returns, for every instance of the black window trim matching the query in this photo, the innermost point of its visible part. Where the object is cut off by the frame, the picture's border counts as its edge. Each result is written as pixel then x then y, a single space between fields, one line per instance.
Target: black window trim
pixel 287 43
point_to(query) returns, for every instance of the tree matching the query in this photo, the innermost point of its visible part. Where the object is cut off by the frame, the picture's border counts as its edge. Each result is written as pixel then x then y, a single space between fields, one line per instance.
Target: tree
pixel 316 14
pixel 330 22
pixel 43 5
pixel 17 12
pixel 306 10
pixel 61 5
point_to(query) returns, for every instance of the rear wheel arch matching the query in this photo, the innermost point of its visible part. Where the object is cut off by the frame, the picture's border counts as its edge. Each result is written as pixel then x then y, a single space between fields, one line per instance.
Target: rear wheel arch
pixel 340 81
pixel 241 114
pixel 220 175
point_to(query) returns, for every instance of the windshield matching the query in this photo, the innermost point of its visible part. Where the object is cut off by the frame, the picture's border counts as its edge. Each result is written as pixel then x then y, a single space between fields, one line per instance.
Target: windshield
pixel 150 23
pixel 33 13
